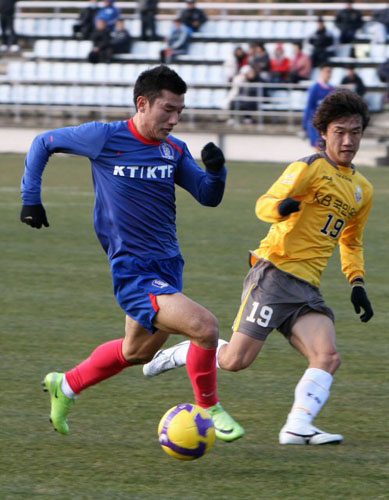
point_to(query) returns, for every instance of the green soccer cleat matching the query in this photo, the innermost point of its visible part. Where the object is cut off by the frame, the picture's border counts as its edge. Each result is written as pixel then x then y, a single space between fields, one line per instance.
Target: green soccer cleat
pixel 226 428
pixel 60 404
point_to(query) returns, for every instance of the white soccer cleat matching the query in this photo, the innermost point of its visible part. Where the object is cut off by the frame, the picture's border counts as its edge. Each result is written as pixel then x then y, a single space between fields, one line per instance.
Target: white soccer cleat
pixel 308 435
pixel 164 361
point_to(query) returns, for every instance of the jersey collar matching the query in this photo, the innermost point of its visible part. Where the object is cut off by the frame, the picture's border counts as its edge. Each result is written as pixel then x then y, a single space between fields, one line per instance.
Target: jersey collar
pixel 139 136
pixel 324 155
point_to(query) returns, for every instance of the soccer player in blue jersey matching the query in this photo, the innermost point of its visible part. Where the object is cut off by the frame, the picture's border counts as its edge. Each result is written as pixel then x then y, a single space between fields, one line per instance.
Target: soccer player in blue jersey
pixel 135 166
pixel 316 95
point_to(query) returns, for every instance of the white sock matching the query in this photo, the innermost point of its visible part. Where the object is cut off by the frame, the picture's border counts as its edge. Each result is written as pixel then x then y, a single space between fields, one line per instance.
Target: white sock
pixel 181 352
pixel 66 389
pixel 310 395
pixel 220 344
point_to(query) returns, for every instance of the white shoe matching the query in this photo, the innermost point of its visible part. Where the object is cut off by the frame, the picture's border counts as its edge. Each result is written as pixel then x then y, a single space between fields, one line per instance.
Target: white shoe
pixel 163 360
pixel 308 435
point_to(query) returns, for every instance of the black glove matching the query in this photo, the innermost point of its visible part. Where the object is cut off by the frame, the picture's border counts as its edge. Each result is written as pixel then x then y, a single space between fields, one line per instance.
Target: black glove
pixel 34 216
pixel 213 157
pixel 288 206
pixel 360 300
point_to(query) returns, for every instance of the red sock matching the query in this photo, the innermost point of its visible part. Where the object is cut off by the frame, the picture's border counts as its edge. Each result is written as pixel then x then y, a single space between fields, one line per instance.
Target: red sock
pixel 201 367
pixel 105 361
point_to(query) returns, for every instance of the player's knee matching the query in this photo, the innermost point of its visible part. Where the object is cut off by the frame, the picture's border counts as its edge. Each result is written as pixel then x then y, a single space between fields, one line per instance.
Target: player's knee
pixel 330 361
pixel 204 328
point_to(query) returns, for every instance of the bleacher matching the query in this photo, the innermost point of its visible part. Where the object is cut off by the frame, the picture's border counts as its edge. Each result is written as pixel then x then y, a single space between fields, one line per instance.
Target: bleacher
pixel 51 70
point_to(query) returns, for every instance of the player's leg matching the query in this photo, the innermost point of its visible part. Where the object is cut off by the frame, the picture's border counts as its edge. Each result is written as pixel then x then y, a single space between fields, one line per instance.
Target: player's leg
pixel 313 335
pixel 180 315
pixel 105 361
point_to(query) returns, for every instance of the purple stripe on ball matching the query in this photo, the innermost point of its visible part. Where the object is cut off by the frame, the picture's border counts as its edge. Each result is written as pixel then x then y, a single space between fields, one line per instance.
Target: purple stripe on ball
pixel 203 424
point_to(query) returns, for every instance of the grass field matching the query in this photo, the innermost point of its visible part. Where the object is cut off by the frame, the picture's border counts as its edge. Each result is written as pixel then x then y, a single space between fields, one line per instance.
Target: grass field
pixel 57 305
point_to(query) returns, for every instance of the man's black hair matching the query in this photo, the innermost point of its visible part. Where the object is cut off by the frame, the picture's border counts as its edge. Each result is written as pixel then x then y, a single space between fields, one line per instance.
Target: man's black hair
pixel 339 104
pixel 152 82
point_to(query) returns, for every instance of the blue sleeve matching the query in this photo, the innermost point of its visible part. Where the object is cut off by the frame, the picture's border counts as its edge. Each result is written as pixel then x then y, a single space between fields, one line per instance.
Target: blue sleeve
pixel 311 103
pixel 86 140
pixel 206 187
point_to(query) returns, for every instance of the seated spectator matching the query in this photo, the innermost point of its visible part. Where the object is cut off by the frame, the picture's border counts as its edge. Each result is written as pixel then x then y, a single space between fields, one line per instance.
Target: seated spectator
pixel 379 25
pixel 242 97
pixel 279 65
pixel 120 39
pixel 322 41
pixel 383 72
pixel 193 17
pixel 86 21
pixel 259 59
pixel 235 62
pixel 109 13
pixel 101 38
pixel 348 21
pixel 301 64
pixel 352 78
pixel 177 42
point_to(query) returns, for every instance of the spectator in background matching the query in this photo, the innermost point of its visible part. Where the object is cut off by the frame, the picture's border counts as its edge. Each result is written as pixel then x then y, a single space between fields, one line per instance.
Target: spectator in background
pixel 109 13
pixel 148 11
pixel 354 80
pixel 120 39
pixel 380 30
pixel 241 96
pixel 348 21
pixel 177 42
pixel 316 94
pixel 8 35
pixel 279 65
pixel 101 38
pixel 383 74
pixel 301 64
pixel 259 59
pixel 235 62
pixel 192 16
pixel 322 41
pixel 85 24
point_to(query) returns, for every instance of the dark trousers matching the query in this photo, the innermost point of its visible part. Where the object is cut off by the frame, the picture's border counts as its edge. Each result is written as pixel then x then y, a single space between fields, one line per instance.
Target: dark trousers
pixel 8 34
pixel 148 25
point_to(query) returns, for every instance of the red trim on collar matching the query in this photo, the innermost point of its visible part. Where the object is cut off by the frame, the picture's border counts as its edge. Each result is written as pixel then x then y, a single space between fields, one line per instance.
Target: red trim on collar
pixel 139 136
pixel 175 146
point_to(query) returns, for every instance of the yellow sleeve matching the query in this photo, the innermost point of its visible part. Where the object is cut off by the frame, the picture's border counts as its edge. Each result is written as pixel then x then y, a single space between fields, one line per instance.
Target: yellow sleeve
pixel 350 243
pixel 293 183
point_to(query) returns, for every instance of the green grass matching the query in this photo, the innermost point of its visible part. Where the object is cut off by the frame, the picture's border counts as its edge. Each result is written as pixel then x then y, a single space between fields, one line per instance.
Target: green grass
pixel 57 305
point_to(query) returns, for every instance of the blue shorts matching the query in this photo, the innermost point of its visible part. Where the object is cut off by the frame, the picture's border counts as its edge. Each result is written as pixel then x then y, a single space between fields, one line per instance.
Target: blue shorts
pixel 137 282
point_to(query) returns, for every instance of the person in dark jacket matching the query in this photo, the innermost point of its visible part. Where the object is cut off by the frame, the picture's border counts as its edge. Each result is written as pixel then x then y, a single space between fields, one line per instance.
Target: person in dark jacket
pixel 348 21
pixel 148 11
pixel 121 39
pixel 322 41
pixel 352 78
pixel 193 17
pixel 86 21
pixel 177 42
pixel 8 35
pixel 101 38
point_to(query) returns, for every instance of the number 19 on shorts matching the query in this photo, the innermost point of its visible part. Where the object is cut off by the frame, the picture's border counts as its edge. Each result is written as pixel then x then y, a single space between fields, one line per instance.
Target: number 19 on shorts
pixel 261 317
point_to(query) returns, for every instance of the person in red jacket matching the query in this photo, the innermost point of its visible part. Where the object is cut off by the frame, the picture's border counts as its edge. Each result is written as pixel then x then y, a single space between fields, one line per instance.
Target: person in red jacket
pixel 279 65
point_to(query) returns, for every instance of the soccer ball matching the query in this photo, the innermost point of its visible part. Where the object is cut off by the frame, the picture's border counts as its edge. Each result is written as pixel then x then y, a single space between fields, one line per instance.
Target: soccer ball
pixel 186 432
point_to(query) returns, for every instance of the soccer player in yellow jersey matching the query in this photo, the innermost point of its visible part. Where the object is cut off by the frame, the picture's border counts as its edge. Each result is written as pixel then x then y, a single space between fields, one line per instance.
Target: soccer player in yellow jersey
pixel 318 202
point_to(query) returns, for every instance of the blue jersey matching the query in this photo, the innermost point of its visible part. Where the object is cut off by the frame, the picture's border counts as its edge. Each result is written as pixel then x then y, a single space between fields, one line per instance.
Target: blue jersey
pixel 316 94
pixel 134 180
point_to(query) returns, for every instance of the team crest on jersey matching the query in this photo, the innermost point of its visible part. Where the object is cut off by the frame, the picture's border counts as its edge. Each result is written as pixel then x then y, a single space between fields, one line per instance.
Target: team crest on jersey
pixel 166 151
pixel 358 194
pixel 159 284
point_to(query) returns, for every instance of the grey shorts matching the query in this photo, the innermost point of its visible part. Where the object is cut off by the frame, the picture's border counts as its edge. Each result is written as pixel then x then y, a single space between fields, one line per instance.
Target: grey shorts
pixel 274 299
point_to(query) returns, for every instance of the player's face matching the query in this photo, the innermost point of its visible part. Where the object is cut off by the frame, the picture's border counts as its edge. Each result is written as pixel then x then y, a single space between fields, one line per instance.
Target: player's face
pixel 342 138
pixel 163 115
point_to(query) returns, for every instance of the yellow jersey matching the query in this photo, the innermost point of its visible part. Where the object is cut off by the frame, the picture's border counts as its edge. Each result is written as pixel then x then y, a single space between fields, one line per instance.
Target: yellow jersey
pixel 335 204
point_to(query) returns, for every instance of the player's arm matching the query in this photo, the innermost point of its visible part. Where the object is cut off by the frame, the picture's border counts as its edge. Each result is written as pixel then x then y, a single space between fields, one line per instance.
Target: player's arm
pixel 85 140
pixel 351 254
pixel 309 107
pixel 285 196
pixel 206 186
